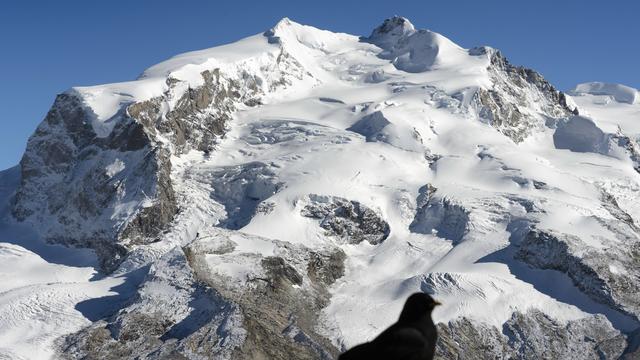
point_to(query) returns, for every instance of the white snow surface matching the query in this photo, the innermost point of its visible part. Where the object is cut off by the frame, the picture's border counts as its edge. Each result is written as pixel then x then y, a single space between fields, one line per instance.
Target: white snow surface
pixel 619 93
pixel 303 140
pixel 610 115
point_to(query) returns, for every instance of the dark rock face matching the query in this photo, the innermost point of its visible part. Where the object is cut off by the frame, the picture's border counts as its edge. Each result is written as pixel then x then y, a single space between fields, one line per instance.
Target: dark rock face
pixel 73 182
pixel 326 268
pixel 534 333
pixel 466 339
pixel 507 106
pixel 199 116
pixel 280 272
pixel 348 220
pixel 610 204
pixel 545 251
pixel 152 220
pixel 528 336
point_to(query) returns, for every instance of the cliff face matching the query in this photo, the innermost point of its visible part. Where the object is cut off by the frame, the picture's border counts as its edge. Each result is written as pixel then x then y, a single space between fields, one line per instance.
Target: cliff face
pixel 285 193
pixel 86 191
pixel 520 100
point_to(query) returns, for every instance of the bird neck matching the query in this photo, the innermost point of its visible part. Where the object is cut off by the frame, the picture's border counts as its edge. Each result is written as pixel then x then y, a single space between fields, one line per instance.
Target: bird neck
pixel 409 317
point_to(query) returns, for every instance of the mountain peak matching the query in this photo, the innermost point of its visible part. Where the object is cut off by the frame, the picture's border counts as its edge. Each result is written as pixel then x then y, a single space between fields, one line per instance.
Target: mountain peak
pixel 391 30
pixel 282 28
pixel 396 25
pixel 413 50
pixel 284 22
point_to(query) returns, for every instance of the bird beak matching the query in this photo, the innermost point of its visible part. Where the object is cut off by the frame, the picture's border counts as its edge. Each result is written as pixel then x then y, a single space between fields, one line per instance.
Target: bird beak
pixel 436 302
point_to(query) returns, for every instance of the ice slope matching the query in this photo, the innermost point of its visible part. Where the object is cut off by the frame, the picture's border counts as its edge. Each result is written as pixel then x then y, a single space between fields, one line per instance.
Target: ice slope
pixel 388 122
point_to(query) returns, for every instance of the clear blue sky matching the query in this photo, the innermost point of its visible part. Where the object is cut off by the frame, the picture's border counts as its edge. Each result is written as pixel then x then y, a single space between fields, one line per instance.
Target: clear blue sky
pixel 48 46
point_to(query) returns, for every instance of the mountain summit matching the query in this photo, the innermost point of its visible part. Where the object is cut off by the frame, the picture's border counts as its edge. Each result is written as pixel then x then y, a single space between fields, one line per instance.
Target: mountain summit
pixel 391 31
pixel 281 196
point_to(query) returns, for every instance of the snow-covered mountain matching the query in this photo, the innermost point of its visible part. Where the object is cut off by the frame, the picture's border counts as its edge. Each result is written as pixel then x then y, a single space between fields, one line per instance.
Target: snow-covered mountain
pixel 281 196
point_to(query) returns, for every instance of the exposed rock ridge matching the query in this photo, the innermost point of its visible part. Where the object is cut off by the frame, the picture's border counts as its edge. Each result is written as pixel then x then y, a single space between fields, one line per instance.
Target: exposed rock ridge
pixel 530 335
pixel 520 99
pixel 292 285
pixel 350 221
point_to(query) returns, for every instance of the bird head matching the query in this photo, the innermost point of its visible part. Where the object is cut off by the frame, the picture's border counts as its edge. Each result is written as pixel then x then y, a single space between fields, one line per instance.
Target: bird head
pixel 417 306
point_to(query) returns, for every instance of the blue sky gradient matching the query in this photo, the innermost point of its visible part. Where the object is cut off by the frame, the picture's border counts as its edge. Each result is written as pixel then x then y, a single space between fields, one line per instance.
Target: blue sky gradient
pixel 48 46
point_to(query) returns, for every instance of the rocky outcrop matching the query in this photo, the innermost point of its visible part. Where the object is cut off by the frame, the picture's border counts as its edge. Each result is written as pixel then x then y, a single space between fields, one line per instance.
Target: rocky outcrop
pixel 325 267
pixel 350 221
pixel 467 339
pixel 531 335
pixel 199 115
pixel 184 310
pixel 520 99
pixel 280 295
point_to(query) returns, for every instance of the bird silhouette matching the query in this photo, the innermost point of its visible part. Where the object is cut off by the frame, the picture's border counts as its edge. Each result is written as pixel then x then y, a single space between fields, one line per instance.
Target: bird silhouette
pixel 413 337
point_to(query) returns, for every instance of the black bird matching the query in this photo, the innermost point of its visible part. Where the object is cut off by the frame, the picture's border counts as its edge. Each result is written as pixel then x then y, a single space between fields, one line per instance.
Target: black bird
pixel 413 337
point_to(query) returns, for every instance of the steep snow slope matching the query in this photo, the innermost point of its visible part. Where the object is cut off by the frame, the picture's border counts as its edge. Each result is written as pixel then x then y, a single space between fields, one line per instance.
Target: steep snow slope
pixel 303 183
